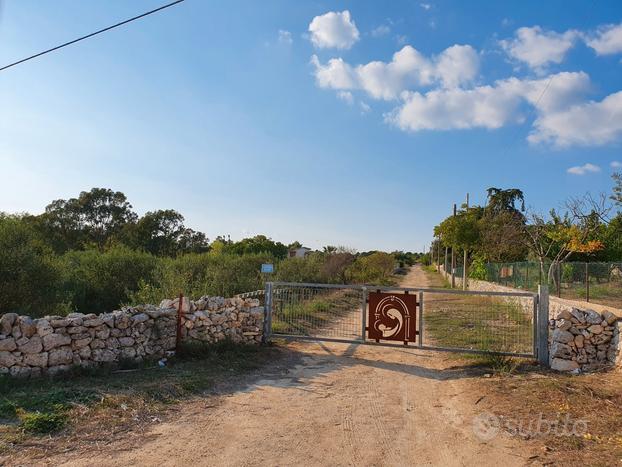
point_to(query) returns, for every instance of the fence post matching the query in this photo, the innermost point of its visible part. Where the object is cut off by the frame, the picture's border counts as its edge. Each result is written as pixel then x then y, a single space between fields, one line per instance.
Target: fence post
pixel 587 282
pixel 543 325
pixel 364 315
pixel 267 314
pixel 420 319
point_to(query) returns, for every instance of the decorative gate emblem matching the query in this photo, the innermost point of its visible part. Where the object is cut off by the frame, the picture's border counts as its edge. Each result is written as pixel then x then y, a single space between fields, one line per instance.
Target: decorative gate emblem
pixel 392 317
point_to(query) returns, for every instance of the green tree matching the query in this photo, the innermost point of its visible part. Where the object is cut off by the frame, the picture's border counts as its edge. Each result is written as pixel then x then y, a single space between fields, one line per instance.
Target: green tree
pixel 258 244
pixel 505 200
pixel 163 233
pixel 30 279
pixel 93 218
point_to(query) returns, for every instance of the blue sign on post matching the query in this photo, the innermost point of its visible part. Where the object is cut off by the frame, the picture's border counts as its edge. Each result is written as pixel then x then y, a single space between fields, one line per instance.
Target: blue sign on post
pixel 267 268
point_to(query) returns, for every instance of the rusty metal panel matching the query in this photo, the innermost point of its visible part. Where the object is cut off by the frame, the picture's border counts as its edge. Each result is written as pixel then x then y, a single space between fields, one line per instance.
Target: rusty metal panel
pixel 392 317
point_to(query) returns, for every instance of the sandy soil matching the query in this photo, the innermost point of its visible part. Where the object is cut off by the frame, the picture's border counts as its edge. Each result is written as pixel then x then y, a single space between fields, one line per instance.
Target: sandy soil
pixel 340 405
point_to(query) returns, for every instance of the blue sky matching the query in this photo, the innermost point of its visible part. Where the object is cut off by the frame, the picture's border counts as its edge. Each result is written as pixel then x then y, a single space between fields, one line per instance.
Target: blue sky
pixel 297 119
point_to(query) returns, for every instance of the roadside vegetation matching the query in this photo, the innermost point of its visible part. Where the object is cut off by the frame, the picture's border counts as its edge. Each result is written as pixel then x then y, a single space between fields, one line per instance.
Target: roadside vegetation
pixel 507 243
pixel 93 254
pixel 93 407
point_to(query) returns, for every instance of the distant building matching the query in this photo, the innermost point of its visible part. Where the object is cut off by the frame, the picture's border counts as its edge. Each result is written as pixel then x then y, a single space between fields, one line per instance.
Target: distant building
pixel 299 252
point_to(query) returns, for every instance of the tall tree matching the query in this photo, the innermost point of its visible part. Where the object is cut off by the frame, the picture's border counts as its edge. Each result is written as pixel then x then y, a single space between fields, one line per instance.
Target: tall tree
pixel 93 218
pixel 505 200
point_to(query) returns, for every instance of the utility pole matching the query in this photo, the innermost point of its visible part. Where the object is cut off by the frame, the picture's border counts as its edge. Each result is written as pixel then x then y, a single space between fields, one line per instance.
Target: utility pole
pixel 464 261
pixel 453 260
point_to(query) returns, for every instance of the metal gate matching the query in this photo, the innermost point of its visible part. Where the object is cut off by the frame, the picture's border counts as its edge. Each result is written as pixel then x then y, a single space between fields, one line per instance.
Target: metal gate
pixel 509 323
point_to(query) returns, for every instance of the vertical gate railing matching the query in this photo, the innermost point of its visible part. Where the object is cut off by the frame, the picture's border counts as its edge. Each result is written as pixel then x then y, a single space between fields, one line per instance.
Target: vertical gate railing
pixel 512 323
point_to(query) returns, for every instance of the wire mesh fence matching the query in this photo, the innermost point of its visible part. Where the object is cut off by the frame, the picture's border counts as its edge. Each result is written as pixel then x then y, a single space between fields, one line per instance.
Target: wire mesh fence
pixel 452 320
pixel 590 281
pixel 317 311
pixel 482 322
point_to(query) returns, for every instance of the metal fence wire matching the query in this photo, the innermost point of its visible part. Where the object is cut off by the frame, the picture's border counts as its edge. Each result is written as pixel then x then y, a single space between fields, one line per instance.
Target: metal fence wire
pixel 317 311
pixel 590 281
pixel 451 320
pixel 503 324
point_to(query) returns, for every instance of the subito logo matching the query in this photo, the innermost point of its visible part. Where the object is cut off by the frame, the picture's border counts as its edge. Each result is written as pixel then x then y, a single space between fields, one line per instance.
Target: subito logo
pixel 486 426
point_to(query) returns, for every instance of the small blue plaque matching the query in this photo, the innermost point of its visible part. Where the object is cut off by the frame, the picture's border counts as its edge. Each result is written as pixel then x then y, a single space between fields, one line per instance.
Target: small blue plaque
pixel 267 268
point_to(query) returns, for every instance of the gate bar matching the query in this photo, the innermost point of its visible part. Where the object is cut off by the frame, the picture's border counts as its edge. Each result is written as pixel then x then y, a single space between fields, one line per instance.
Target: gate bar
pixel 406 289
pixel 399 345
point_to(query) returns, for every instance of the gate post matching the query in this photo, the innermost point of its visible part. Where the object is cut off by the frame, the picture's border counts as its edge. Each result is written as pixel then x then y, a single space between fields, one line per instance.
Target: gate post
pixel 420 319
pixel 543 325
pixel 267 314
pixel 364 315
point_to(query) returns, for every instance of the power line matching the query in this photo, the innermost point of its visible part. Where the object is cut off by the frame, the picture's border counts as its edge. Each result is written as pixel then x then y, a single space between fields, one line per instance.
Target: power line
pixel 91 34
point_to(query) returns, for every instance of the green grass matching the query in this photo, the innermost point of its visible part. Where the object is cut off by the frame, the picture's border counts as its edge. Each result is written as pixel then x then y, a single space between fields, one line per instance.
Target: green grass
pixel 108 397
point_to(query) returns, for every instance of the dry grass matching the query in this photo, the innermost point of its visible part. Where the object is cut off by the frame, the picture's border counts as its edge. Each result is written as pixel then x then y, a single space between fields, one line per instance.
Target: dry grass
pixel 593 398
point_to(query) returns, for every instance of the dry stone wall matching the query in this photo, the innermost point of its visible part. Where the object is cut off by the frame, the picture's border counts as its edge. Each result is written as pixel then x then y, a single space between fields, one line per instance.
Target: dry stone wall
pixel 32 347
pixel 584 340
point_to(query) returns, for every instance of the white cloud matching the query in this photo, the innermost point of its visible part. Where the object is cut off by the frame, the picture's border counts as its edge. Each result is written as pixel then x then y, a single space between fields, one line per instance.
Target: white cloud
pixel 364 107
pixel 586 124
pixel 538 48
pixel 454 66
pixel 425 6
pixel 336 74
pixel 285 37
pixel 333 29
pixel 457 64
pixel 380 31
pixel 616 164
pixel 607 39
pixel 487 106
pixel 346 96
pixel 583 169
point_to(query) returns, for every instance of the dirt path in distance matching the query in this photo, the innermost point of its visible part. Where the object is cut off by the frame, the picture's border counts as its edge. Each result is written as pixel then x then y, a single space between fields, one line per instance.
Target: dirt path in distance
pixel 342 405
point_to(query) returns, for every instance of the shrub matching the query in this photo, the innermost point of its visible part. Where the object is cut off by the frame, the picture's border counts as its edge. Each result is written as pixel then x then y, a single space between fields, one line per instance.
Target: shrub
pixel 41 423
pixel 376 268
pixel 99 282
pixel 30 278
pixel 200 274
pixel 478 269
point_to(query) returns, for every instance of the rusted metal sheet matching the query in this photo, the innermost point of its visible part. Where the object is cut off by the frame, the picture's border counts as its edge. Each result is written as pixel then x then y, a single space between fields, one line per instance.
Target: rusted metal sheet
pixel 392 317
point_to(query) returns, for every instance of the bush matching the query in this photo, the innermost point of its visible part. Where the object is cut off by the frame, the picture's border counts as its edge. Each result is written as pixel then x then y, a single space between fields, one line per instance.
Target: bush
pixel 478 269
pixel 30 278
pixel 200 274
pixel 100 282
pixel 41 423
pixel 376 269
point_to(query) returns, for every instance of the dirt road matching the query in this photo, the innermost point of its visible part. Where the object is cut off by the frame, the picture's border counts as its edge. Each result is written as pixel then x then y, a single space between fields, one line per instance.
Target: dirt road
pixel 341 405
